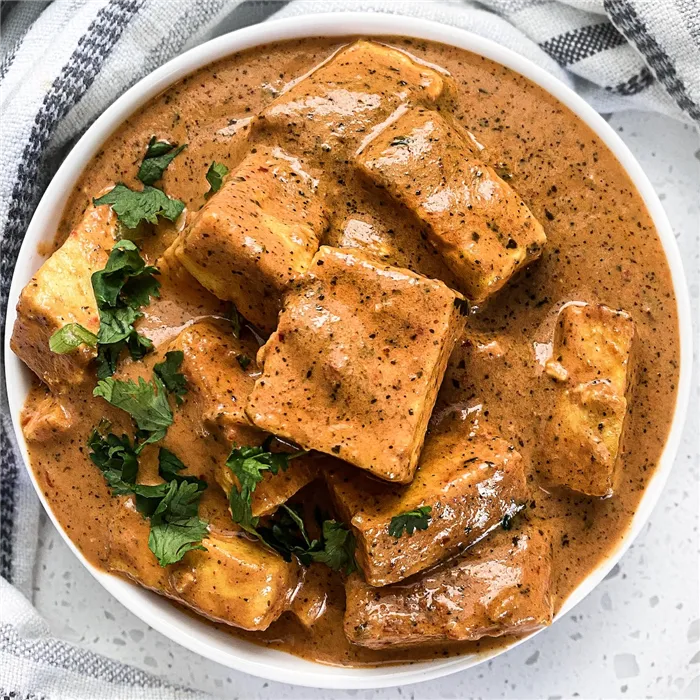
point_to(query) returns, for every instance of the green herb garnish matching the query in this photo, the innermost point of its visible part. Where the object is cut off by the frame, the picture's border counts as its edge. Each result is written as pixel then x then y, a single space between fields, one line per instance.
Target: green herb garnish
pixel 133 207
pixel 169 374
pixel 215 177
pixel 248 465
pixel 115 457
pixel 287 535
pixel 235 322
pixel 410 521
pixel 175 524
pixel 337 548
pixel 124 285
pixel 159 155
pixel 146 403
pixel 243 361
pixel 70 337
pixel 286 532
pixel 172 507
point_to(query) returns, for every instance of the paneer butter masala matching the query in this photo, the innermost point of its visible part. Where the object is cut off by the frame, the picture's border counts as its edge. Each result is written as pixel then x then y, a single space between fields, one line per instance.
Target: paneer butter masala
pixel 364 350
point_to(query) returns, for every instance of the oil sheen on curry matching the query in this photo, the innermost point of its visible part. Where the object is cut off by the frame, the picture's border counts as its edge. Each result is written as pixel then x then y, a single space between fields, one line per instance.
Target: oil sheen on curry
pixel 363 350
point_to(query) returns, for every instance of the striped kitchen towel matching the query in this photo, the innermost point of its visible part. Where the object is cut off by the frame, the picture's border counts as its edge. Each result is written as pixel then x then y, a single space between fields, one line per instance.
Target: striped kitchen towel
pixel 63 62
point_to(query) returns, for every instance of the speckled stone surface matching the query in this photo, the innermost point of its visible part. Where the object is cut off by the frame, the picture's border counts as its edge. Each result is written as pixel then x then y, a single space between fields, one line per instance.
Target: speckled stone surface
pixel 637 635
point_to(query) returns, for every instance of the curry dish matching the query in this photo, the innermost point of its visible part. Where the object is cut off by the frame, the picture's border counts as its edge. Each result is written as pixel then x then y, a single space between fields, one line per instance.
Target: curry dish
pixel 363 350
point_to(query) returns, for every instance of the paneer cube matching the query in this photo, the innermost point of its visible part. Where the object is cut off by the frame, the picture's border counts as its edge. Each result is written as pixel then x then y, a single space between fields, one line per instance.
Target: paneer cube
pixel 237 581
pixel 471 483
pixel 45 419
pixel 61 293
pixel 214 407
pixel 274 489
pixel 591 365
pixel 182 298
pixel 217 382
pixel 311 600
pixel 256 234
pixel 335 106
pixel 354 366
pixel 128 553
pixel 480 225
pixel 498 587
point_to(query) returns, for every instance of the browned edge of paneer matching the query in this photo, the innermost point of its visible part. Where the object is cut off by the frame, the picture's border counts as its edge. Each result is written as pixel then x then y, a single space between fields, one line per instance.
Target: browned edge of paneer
pixel 501 586
pixel 470 483
pixel 355 379
pixel 591 368
pixel 480 225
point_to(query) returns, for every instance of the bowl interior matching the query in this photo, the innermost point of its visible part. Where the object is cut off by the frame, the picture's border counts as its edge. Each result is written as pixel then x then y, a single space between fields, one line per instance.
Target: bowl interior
pixel 156 611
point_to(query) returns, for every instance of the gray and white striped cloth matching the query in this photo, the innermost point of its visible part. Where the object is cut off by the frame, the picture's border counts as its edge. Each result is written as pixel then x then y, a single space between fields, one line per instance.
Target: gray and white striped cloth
pixel 64 62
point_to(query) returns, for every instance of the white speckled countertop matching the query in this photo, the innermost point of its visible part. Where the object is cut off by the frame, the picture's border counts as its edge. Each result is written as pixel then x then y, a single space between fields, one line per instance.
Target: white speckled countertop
pixel 637 635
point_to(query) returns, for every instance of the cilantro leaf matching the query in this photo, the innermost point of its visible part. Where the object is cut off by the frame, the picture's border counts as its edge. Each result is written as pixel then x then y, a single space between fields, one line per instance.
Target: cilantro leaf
pixel 248 465
pixel 287 535
pixel 338 548
pixel 116 325
pixel 124 266
pixel 120 288
pixel 235 322
pixel 115 457
pixel 125 284
pixel 168 373
pixel 170 466
pixel 243 361
pixel 146 402
pixel 215 177
pixel 410 521
pixel 70 337
pixel 134 206
pixel 159 155
pixel 175 525
pixel 107 358
pixel 172 507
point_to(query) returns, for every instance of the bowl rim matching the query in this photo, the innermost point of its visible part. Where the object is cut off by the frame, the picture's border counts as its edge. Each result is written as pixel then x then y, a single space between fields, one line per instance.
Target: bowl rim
pixel 156 611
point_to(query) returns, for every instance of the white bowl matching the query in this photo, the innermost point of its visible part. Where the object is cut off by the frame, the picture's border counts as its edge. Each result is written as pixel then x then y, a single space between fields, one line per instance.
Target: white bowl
pixel 158 612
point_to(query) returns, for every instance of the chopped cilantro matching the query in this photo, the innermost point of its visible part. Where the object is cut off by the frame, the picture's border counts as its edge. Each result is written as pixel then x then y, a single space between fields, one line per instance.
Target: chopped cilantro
pixel 135 206
pixel 170 466
pixel 235 322
pixel 175 524
pixel 172 379
pixel 400 141
pixel 124 285
pixel 146 403
pixel 248 465
pixel 287 535
pixel 338 548
pixel 125 277
pixel 70 337
pixel 215 177
pixel 172 507
pixel 115 457
pixel 410 521
pixel 243 361
pixel 159 155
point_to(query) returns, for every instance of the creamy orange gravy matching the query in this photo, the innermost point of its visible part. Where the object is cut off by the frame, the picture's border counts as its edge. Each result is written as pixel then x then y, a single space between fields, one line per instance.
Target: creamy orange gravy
pixel 601 247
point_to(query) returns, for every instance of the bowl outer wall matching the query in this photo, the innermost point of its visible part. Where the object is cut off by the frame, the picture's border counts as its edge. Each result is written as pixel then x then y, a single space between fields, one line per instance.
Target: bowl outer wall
pixel 154 610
